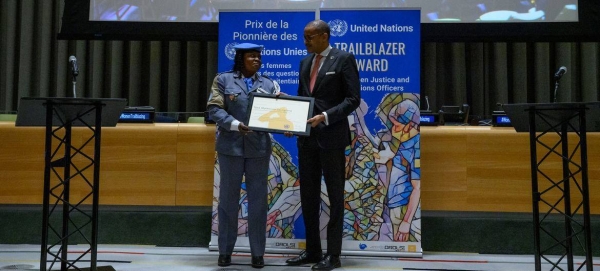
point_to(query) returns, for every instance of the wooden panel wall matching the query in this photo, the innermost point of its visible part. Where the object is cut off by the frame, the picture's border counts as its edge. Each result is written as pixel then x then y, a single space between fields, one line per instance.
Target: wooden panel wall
pixel 463 168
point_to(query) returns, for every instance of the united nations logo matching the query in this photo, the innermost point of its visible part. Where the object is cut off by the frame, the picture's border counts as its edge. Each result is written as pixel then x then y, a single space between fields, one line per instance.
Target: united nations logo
pixel 230 51
pixel 338 27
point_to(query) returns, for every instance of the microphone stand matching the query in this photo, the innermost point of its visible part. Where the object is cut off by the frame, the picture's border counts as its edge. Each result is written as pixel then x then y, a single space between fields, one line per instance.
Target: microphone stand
pixel 556 88
pixel 75 73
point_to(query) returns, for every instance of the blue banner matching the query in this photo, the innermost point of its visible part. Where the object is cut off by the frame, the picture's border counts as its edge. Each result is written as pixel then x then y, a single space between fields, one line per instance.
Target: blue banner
pixel 281 34
pixel 382 196
pixel 383 162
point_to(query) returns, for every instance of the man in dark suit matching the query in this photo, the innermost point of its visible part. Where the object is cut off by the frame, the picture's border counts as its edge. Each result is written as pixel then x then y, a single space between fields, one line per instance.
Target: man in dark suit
pixel 331 77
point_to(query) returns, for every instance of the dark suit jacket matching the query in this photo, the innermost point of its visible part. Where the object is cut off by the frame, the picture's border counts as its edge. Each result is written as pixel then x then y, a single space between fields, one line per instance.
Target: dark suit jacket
pixel 336 92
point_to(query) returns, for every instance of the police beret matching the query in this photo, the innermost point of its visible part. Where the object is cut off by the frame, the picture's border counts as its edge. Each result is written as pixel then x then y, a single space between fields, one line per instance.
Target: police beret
pixel 248 46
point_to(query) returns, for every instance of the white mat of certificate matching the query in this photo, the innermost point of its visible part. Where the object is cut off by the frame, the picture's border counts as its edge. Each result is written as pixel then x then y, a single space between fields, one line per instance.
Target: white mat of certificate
pixel 279 114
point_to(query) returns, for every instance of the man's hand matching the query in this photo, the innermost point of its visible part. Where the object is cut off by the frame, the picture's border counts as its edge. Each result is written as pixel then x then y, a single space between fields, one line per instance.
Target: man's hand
pixel 244 129
pixel 314 121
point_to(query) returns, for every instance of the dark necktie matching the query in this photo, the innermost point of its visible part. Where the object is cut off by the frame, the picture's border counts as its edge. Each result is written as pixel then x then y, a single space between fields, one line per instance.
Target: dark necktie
pixel 315 70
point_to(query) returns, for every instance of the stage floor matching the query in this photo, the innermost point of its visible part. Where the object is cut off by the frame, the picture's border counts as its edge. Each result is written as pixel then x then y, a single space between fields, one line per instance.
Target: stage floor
pixel 150 258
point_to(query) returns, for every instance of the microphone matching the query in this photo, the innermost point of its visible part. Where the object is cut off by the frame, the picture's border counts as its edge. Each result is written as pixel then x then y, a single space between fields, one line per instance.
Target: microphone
pixel 561 71
pixel 427 100
pixel 75 71
pixel 73 61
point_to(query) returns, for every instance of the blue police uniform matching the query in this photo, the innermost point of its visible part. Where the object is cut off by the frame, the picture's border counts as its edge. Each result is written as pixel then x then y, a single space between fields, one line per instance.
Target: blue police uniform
pixel 240 155
pixel 228 103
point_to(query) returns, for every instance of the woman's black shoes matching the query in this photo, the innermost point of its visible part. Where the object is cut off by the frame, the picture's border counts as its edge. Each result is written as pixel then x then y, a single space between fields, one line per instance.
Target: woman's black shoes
pixel 224 260
pixel 258 262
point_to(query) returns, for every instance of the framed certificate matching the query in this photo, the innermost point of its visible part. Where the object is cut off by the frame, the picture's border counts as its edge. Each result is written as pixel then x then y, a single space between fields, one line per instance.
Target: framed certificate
pixel 280 114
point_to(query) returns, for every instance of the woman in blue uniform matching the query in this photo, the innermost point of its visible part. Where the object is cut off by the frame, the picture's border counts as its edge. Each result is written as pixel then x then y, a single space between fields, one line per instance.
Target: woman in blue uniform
pixel 241 152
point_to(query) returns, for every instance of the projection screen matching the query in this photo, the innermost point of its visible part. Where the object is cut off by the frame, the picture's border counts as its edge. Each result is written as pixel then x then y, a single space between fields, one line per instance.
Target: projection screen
pixel 432 11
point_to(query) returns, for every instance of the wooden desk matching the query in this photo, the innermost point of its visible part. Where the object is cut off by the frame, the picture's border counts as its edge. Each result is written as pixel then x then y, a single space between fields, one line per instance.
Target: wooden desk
pixel 141 164
pixel 488 169
pixel 463 168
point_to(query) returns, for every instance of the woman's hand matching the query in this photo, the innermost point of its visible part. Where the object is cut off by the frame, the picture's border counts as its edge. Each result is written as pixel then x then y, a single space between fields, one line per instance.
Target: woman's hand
pixel 244 130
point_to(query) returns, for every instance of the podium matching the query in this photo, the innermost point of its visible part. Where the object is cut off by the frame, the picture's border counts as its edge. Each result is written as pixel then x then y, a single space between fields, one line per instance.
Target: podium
pixel 559 177
pixel 65 216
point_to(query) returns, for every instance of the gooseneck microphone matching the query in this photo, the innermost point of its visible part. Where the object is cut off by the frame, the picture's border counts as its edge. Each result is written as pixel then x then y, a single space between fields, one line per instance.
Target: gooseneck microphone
pixel 561 71
pixel 427 100
pixel 75 72
pixel 74 69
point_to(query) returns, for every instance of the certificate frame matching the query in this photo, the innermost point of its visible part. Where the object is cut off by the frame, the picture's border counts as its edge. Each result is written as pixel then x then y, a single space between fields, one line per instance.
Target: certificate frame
pixel 269 113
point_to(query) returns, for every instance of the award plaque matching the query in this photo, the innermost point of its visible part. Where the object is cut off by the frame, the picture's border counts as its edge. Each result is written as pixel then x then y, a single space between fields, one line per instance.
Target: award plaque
pixel 280 114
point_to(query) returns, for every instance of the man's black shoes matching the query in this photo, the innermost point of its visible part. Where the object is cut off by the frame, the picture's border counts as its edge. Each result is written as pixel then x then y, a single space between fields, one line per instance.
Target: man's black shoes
pixel 258 262
pixel 330 262
pixel 305 258
pixel 224 260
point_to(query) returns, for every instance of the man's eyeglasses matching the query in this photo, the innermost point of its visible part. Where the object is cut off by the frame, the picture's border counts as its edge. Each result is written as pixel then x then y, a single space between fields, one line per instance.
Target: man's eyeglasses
pixel 311 37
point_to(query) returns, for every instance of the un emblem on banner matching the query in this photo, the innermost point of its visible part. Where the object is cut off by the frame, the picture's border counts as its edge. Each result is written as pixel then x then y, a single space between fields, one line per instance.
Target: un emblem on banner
pixel 338 27
pixel 230 51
